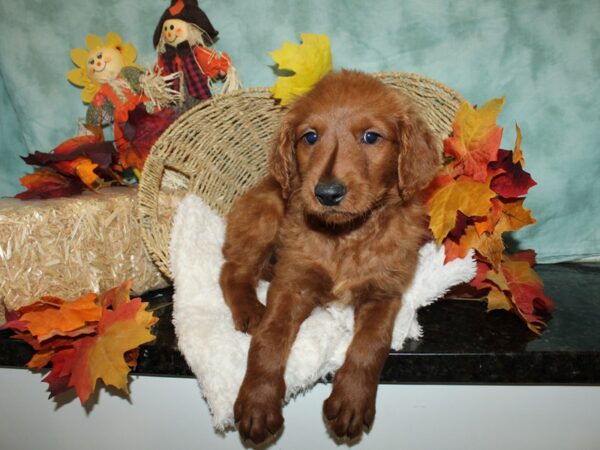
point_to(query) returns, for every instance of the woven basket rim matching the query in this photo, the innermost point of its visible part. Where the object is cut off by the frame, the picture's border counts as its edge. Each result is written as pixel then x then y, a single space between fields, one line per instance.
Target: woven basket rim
pixel 155 235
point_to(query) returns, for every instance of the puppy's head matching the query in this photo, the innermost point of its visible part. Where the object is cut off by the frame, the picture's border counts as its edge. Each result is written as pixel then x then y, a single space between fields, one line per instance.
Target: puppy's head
pixel 350 145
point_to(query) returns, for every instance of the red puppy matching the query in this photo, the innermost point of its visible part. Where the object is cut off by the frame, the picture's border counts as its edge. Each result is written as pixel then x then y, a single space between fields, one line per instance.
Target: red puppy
pixel 338 219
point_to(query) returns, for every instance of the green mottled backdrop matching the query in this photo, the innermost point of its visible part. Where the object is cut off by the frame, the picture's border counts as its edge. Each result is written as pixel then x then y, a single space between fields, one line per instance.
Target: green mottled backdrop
pixel 542 55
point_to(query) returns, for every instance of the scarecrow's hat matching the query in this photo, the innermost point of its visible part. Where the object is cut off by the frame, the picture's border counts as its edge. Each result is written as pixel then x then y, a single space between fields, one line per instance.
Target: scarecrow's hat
pixel 188 11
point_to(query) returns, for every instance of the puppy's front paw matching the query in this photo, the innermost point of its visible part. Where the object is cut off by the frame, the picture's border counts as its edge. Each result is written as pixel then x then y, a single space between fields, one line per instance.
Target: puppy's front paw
pixel 349 408
pixel 247 315
pixel 257 411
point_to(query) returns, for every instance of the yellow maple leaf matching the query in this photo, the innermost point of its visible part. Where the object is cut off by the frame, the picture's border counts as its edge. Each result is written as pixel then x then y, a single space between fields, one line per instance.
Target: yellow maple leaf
pixel 514 216
pixel 309 61
pixel 497 299
pixel 469 197
pixel 106 360
pixel 101 357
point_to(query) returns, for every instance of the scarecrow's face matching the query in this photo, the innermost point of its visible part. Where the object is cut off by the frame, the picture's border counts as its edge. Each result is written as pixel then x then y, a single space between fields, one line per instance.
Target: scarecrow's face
pixel 104 64
pixel 175 31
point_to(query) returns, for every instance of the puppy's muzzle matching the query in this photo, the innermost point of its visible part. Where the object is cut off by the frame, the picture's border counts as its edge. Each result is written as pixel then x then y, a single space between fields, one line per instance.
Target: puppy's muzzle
pixel 330 194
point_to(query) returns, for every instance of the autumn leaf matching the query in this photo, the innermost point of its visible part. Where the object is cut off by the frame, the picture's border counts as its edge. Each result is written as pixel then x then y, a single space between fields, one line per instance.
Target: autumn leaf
pixel 460 248
pixel 480 281
pixel 65 318
pixel 309 62
pixel 436 184
pixel 41 359
pixel 82 168
pixel 47 183
pixel 101 357
pixel 512 181
pixel 469 197
pixel 488 223
pixel 497 299
pixel 517 156
pixel 527 292
pixel 58 377
pixel 491 247
pixel 528 256
pixel 140 132
pixel 488 245
pixel 475 138
pixel 70 145
pixel 77 162
pixel 515 283
pixel 116 296
pixel 514 216
pixel 100 152
pixel 95 337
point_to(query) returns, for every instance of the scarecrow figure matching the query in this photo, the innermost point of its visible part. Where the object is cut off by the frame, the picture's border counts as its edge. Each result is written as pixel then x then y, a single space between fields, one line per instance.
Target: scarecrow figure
pixel 182 39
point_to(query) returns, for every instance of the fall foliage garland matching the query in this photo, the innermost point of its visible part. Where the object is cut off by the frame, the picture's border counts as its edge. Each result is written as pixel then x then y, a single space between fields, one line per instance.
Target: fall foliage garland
pixel 477 197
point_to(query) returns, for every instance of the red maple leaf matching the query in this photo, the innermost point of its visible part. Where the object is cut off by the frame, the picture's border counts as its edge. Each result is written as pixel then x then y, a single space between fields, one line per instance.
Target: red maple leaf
pixel 513 181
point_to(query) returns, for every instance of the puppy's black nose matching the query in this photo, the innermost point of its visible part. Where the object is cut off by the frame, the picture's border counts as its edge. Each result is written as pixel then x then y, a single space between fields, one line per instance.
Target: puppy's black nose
pixel 330 194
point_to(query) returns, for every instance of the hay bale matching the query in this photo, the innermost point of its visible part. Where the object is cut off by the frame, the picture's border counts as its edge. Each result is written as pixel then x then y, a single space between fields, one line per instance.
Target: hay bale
pixel 68 246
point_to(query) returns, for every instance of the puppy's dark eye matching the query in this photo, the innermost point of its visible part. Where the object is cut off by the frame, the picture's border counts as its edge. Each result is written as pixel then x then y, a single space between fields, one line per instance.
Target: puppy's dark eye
pixel 311 137
pixel 370 137
pixel 99 56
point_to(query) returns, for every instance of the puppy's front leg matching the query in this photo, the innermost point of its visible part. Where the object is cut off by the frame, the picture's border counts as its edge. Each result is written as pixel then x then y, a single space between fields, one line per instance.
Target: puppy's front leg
pixel 258 406
pixel 351 404
pixel 252 227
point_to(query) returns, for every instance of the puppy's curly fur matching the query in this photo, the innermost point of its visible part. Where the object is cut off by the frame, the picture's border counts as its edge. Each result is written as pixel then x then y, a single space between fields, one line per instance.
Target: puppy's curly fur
pixel 339 219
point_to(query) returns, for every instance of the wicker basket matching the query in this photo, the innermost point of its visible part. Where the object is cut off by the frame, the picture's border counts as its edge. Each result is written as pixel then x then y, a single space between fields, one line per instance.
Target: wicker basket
pixel 219 149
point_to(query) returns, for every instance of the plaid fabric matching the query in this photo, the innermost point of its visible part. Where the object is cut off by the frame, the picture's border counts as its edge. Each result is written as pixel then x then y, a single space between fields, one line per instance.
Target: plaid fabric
pixel 196 81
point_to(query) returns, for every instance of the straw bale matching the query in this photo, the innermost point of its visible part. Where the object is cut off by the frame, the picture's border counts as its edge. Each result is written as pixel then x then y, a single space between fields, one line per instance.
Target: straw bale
pixel 68 246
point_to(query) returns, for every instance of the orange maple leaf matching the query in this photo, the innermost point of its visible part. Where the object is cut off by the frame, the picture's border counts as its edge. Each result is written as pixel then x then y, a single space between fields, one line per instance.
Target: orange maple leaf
pixel 63 318
pixel 47 183
pixel 475 138
pixel 488 223
pixel 116 296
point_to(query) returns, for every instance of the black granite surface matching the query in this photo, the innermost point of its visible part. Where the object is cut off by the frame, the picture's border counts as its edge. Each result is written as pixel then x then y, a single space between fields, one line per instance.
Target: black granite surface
pixel 462 343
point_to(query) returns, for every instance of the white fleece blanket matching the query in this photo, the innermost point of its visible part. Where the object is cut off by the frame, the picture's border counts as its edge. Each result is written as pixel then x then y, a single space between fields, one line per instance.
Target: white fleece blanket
pixel 217 353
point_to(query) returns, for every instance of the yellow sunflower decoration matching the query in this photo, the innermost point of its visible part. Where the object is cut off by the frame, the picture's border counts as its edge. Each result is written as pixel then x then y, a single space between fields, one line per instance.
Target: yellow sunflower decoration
pixel 100 63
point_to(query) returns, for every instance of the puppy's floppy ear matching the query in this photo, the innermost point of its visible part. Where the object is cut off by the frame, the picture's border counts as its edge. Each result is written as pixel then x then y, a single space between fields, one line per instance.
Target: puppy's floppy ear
pixel 418 158
pixel 282 162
